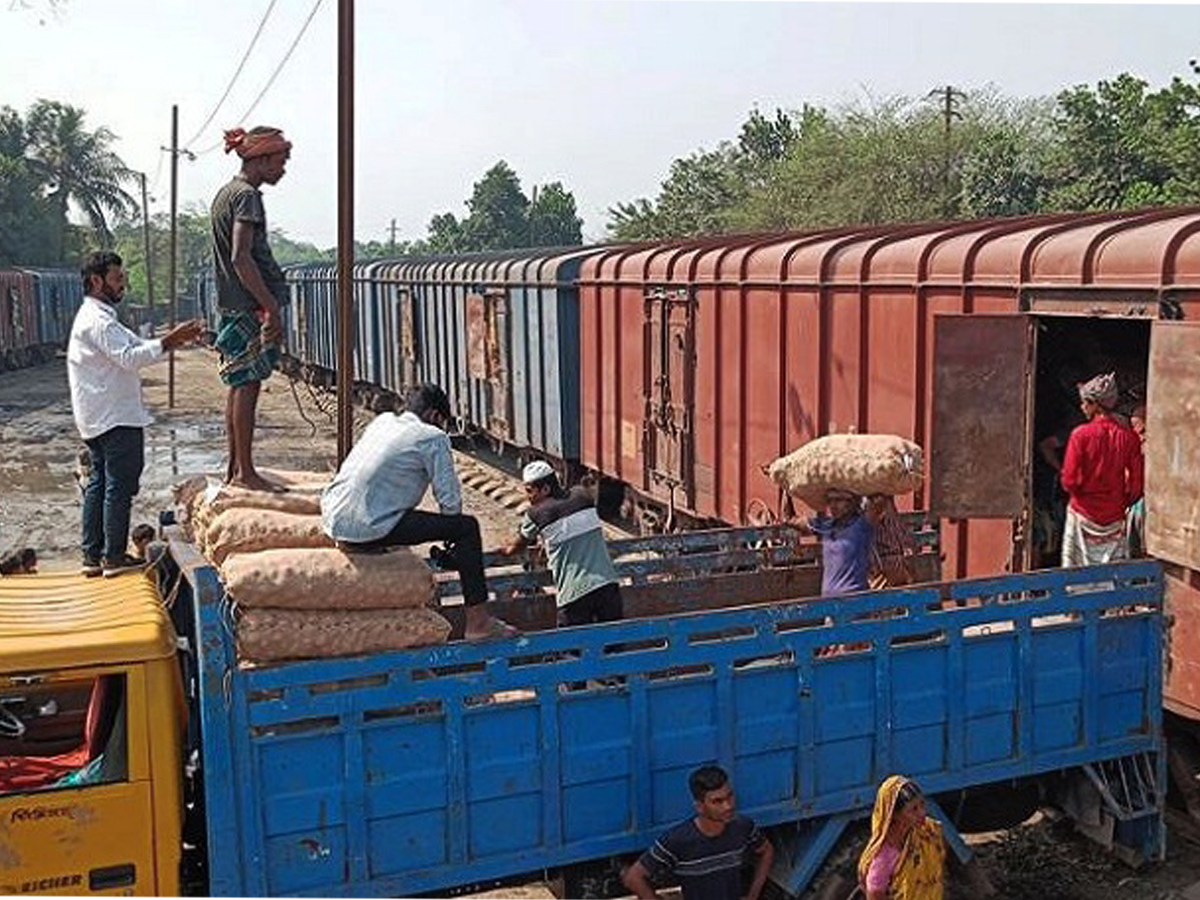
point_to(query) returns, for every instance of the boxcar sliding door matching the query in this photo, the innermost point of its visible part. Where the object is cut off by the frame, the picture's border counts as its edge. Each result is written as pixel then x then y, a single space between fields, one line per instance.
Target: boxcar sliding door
pixel 982 447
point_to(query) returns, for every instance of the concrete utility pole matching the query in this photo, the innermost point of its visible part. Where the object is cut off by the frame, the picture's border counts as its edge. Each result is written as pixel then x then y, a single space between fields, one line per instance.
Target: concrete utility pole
pixel 392 242
pixel 146 246
pixel 172 285
pixel 345 255
pixel 533 218
pixel 950 96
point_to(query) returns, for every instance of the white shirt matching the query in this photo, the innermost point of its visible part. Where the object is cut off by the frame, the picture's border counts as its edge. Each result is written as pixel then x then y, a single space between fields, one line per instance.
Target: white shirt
pixel 103 357
pixel 386 474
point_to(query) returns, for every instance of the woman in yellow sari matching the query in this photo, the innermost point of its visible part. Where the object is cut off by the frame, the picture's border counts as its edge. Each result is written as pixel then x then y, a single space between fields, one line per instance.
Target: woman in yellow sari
pixel 906 856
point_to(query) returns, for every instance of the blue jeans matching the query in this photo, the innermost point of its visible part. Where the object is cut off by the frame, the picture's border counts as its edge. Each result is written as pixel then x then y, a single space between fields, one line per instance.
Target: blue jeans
pixel 117 459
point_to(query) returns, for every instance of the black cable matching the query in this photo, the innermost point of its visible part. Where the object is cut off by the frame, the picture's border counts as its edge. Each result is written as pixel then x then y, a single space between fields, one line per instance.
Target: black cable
pixel 274 75
pixel 229 87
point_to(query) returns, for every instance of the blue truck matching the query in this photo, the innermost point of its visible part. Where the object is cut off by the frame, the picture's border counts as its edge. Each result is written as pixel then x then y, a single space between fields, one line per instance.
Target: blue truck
pixel 420 771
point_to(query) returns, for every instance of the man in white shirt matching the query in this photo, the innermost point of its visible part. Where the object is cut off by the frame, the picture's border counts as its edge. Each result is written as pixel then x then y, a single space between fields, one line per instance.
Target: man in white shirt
pixel 103 358
pixel 371 503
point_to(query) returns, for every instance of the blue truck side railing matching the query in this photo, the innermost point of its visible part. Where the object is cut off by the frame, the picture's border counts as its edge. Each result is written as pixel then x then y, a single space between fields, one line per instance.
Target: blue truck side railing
pixel 416 771
pixel 686 572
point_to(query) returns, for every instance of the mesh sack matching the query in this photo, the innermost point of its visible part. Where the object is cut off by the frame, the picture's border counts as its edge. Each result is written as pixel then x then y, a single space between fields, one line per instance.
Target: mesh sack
pixel 329 579
pixel 268 635
pixel 248 530
pixel 860 463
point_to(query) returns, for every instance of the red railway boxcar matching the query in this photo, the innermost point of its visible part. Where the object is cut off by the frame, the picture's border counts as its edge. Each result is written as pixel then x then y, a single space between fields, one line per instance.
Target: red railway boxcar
pixel 701 361
pixel 19 338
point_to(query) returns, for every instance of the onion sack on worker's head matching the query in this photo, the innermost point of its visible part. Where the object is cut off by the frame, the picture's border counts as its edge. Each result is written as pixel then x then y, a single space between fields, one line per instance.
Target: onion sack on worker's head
pixel 861 463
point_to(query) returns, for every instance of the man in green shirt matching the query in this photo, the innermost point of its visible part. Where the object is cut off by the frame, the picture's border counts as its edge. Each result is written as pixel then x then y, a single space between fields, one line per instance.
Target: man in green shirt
pixel 569 527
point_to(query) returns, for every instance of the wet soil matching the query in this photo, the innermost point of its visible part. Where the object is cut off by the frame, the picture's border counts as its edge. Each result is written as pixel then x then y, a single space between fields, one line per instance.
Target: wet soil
pixel 39 448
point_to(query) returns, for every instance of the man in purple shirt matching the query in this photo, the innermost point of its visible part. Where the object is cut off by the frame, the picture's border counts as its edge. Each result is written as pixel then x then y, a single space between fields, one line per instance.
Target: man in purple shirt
pixel 846 536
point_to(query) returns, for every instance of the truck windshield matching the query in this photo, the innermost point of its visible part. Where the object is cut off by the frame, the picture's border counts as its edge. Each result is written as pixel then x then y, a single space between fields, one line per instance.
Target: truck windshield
pixel 62 734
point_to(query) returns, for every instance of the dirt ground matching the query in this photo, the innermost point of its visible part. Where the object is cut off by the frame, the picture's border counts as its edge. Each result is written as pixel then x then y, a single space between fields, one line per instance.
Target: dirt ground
pixel 39 507
pixel 40 496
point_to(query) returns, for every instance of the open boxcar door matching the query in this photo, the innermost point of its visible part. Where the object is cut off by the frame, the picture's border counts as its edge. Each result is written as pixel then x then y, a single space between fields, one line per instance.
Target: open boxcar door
pixel 1172 448
pixel 981 450
pixel 1173 501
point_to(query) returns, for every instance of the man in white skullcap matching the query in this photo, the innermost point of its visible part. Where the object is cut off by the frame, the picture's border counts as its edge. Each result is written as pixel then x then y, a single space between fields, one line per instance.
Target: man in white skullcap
pixel 1102 474
pixel 569 527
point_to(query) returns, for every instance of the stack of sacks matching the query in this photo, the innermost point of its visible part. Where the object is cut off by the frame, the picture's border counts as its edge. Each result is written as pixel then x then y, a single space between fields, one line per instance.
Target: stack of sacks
pixel 201 499
pixel 860 463
pixel 297 596
pixel 305 603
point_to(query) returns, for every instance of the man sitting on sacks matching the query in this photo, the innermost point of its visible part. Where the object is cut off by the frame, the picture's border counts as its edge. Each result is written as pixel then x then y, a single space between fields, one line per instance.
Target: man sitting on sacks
pixel 371 503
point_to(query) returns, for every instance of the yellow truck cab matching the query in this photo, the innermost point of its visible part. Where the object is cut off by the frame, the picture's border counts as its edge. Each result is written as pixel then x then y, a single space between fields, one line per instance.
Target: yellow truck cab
pixel 91 728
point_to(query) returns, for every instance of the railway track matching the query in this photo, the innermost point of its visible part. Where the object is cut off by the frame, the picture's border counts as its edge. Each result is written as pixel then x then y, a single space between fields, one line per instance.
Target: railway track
pixel 504 488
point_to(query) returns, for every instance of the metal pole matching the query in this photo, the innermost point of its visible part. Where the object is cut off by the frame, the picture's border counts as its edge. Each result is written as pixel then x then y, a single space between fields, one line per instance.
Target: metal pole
pixel 146 245
pixel 345 255
pixel 171 276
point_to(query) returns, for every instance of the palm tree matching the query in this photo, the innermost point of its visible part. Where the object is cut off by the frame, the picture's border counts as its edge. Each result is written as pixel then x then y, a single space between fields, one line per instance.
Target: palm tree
pixel 76 165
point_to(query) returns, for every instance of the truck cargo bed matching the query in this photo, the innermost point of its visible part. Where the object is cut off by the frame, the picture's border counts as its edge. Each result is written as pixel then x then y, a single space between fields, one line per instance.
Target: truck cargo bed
pixel 417 771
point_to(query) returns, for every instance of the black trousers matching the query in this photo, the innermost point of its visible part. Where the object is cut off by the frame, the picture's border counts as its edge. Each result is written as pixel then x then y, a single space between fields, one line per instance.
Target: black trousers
pixel 462 532
pixel 601 605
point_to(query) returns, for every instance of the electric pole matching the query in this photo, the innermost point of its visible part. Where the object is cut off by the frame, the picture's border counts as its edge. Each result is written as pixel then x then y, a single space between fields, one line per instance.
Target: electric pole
pixel 533 218
pixel 146 245
pixel 950 96
pixel 172 274
pixel 345 230
pixel 392 243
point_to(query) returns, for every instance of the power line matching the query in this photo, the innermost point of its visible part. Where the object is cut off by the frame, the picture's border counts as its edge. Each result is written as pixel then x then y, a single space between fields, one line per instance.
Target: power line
pixel 282 62
pixel 270 81
pixel 241 65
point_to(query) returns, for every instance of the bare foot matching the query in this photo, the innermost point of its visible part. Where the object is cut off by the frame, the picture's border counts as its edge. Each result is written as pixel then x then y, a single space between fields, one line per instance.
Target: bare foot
pixel 256 482
pixel 486 627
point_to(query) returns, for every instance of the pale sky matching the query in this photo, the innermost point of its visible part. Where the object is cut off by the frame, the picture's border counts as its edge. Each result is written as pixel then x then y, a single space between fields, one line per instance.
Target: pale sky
pixel 599 95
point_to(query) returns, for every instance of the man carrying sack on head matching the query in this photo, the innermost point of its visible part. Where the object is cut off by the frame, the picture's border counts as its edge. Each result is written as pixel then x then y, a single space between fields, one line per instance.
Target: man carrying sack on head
pixel 250 290
pixel 1102 474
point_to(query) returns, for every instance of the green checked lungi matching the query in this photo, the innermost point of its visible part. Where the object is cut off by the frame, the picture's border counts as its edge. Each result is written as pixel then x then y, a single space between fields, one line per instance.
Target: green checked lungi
pixel 244 357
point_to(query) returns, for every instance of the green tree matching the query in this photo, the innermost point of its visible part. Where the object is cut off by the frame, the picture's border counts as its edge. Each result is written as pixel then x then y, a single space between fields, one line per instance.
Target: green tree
pixel 26 221
pixel 765 141
pixel 697 198
pixel 1004 162
pixel 501 217
pixel 871 162
pixel 704 193
pixel 193 245
pixel 499 211
pixel 446 234
pixel 553 220
pixel 77 166
pixel 1120 145
pixel 288 250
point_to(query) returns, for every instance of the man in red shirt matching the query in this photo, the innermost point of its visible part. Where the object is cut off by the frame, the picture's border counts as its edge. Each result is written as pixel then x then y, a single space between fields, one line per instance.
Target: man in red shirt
pixel 1102 474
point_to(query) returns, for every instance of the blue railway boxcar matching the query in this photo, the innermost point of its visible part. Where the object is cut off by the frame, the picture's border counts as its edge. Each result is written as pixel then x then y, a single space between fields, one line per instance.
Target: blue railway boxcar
pixel 58 294
pixel 498 331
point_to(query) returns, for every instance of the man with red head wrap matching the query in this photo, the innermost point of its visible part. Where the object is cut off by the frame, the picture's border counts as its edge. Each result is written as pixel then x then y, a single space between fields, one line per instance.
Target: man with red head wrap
pixel 250 291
